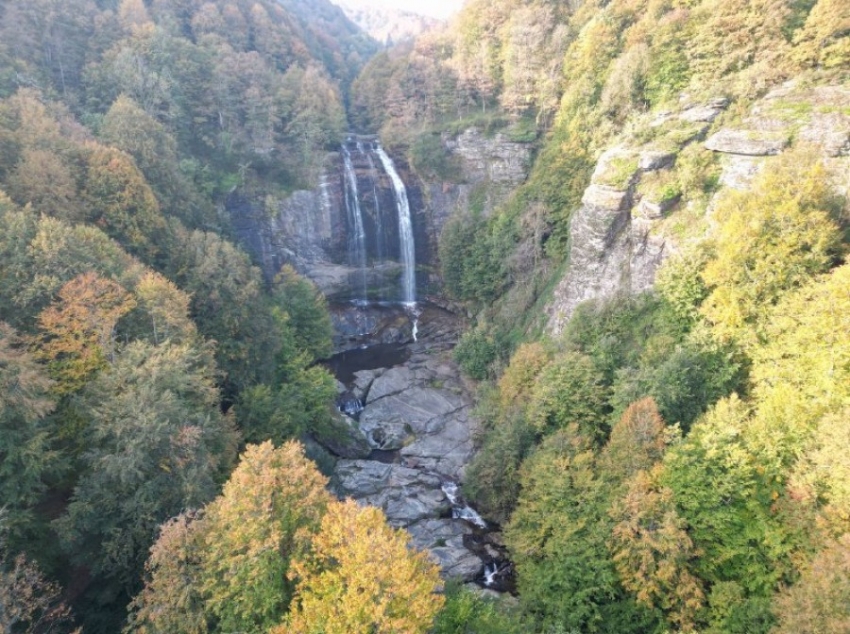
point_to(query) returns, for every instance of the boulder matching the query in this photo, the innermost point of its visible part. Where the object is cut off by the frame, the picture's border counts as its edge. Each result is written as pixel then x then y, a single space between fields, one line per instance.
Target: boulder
pixel 405 495
pixel 456 561
pixel 392 381
pixel 605 197
pixel 653 160
pixel 363 380
pixel 705 113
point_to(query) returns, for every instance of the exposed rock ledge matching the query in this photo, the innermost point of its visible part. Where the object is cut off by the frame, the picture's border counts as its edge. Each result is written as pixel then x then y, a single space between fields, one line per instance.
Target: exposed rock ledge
pixel 614 249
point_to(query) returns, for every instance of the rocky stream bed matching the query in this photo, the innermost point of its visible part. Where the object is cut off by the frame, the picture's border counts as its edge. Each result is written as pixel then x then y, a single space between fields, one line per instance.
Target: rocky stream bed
pixel 407 442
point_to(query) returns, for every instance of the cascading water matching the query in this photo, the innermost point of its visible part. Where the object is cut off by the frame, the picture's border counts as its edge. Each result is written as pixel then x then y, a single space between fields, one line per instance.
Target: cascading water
pixel 405 229
pixel 380 238
pixel 461 510
pixel 357 237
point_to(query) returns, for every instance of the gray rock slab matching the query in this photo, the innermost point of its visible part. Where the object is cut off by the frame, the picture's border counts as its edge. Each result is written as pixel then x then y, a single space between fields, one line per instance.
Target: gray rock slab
pixel 604 197
pixel 701 114
pixel 363 380
pixel 746 142
pixel 392 381
pixel 652 160
pixel 456 561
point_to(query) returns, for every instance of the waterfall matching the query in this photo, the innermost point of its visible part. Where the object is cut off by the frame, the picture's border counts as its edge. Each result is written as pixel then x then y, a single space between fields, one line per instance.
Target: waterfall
pixel 357 238
pixel 380 240
pixel 461 510
pixel 405 229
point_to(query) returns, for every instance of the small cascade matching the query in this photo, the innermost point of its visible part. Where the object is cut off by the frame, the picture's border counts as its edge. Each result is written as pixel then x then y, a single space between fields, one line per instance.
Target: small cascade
pixel 350 405
pixel 357 237
pixel 491 571
pixel 405 229
pixel 461 510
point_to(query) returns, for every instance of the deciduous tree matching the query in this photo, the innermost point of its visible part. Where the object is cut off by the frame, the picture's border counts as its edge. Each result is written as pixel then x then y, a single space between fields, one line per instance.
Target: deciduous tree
pixel 266 516
pixel 361 577
pixel 157 445
pixel 25 452
pixel 78 330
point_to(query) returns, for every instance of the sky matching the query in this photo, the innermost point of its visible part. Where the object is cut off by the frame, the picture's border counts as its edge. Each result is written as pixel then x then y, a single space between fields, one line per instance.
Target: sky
pixel 434 8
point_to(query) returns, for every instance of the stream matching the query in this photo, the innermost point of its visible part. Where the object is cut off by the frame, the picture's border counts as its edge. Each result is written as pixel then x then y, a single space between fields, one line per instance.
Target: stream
pixel 407 398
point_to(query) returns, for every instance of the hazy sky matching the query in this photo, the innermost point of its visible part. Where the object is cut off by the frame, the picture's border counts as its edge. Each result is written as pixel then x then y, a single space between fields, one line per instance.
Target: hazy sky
pixel 434 8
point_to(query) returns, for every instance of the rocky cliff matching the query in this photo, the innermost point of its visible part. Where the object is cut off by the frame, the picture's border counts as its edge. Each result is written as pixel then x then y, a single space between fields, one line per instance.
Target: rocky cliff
pixel 490 169
pixel 311 229
pixel 619 237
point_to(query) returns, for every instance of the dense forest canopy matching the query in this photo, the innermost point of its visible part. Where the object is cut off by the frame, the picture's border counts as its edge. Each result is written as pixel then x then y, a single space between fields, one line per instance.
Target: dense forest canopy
pixel 671 461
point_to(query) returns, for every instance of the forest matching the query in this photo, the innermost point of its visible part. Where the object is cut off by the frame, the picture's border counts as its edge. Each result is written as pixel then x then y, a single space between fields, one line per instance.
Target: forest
pixel 670 460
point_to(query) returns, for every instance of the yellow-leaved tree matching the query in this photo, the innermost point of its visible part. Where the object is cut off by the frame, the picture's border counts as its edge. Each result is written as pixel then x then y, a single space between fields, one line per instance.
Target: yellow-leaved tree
pixel 78 329
pixel 770 241
pixel 362 577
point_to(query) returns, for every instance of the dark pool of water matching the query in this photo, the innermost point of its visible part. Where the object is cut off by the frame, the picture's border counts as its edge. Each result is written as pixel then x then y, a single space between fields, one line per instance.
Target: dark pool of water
pixel 383 355
pixel 387 457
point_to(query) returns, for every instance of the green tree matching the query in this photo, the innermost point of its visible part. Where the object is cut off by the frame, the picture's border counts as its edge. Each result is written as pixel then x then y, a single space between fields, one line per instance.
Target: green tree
pixel 726 496
pixel 570 391
pixel 26 456
pixel 171 601
pixel 771 240
pixel 228 305
pixel 157 444
pixel 557 538
pixel 801 373
pixel 307 311
pixel 119 199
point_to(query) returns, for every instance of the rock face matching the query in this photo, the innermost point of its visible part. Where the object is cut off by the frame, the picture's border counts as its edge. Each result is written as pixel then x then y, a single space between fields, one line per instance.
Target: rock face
pixel 818 116
pixel 491 168
pixel 615 248
pixel 315 231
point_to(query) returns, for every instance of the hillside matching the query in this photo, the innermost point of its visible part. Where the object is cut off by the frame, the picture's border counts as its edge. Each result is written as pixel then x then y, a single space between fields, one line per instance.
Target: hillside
pixel 642 295
pixel 637 209
pixel 387 25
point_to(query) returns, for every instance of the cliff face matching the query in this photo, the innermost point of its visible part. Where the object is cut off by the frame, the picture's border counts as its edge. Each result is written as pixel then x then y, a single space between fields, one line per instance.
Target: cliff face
pixel 617 241
pixel 491 168
pixel 313 230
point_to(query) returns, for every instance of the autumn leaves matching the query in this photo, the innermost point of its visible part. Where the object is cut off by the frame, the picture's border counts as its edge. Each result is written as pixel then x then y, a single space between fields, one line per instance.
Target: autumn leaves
pixel 276 552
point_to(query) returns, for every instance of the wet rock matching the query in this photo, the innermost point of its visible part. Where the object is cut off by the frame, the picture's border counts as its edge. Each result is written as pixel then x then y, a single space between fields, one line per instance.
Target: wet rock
pixel 363 380
pixel 456 561
pixel 447 453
